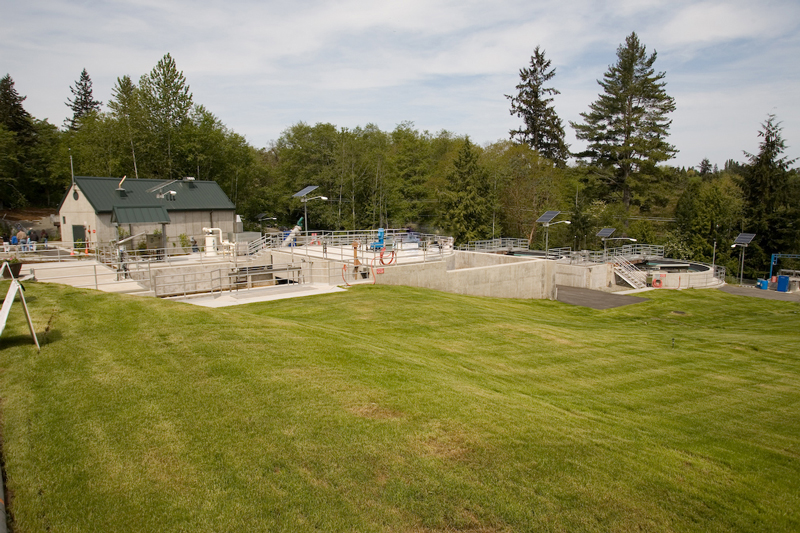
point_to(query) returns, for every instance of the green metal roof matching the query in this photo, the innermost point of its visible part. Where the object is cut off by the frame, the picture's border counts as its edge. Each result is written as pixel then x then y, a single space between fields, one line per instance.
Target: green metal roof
pixel 140 215
pixel 104 196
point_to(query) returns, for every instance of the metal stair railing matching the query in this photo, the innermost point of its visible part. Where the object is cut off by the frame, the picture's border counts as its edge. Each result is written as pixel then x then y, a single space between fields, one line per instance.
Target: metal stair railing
pixel 254 247
pixel 627 271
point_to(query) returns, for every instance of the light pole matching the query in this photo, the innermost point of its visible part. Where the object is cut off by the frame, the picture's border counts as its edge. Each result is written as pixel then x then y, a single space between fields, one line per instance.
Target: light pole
pixel 305 208
pixel 547 235
pixel 741 262
pixel 743 239
pixel 714 260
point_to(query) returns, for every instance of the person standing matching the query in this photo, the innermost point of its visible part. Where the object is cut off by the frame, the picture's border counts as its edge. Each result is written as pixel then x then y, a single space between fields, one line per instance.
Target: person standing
pixel 22 238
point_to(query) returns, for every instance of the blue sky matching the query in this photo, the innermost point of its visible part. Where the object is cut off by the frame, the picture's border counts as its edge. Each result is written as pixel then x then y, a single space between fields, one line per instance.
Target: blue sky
pixel 261 66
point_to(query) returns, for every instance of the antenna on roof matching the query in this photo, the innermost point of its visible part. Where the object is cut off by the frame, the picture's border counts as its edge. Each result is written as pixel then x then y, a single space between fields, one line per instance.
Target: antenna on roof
pixel 71 170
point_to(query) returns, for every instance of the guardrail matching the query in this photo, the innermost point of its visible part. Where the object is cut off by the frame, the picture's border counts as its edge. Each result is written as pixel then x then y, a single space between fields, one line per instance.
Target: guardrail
pixel 166 284
pixel 57 252
pixel 92 275
pixel 495 245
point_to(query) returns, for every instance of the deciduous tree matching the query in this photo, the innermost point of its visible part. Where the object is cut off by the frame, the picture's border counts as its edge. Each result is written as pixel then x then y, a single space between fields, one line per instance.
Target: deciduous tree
pixel 166 101
pixel 126 108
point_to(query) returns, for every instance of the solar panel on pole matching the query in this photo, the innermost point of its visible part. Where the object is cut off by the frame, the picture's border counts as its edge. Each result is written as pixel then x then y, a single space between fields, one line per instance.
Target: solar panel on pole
pixel 744 238
pixel 605 232
pixel 305 191
pixel 548 216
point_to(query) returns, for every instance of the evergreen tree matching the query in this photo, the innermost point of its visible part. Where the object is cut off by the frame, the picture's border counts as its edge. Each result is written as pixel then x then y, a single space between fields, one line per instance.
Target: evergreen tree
pixel 468 199
pixel 543 129
pixel 166 102
pixel 12 115
pixel 83 102
pixel 767 188
pixel 705 168
pixel 17 139
pixel 627 126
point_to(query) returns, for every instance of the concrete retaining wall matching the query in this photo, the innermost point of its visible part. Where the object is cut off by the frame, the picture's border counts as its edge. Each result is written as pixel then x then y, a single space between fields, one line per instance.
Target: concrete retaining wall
pixel 497 277
pixel 598 277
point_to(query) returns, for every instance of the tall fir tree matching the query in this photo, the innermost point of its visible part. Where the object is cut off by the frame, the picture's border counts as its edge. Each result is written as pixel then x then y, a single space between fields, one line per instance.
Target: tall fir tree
pixel 83 101
pixel 468 200
pixel 542 128
pixel 17 140
pixel 12 114
pixel 769 211
pixel 627 126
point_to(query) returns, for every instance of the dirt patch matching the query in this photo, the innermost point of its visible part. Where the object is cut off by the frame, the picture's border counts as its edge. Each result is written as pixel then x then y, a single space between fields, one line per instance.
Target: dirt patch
pixel 28 214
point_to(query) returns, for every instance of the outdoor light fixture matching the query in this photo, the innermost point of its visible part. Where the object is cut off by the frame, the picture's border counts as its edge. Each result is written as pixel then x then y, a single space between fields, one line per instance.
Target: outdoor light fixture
pixel 547 220
pixel 742 240
pixel 303 195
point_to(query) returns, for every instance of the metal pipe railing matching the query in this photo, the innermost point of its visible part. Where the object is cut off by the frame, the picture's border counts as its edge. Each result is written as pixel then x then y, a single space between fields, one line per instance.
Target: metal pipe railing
pixel 165 284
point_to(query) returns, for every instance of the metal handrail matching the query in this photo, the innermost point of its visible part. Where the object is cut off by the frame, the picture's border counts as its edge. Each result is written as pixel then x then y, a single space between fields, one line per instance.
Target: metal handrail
pixel 626 268
pixel 495 244
pixel 219 280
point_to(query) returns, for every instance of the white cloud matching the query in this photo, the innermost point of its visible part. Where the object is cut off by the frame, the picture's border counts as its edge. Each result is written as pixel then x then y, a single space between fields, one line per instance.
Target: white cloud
pixel 721 21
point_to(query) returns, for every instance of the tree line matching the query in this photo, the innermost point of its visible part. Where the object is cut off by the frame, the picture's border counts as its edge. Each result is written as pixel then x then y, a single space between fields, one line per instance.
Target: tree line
pixel 433 181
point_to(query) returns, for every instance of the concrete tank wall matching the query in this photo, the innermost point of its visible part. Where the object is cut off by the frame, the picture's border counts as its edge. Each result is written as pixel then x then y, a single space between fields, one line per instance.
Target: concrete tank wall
pixel 497 276
pixel 598 276
pixel 687 280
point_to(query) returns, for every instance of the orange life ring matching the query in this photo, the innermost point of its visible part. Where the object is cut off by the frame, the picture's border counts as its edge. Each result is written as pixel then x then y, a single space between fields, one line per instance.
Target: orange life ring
pixel 657 283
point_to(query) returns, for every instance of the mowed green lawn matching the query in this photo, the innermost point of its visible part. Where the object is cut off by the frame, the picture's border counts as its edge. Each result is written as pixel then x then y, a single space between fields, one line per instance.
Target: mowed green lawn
pixel 398 409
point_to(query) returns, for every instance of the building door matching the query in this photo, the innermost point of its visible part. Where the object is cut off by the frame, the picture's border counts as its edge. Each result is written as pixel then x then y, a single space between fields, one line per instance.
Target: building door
pixel 78 234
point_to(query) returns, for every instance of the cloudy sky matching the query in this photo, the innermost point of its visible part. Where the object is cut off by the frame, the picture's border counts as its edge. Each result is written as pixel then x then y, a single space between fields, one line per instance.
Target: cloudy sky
pixel 263 65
